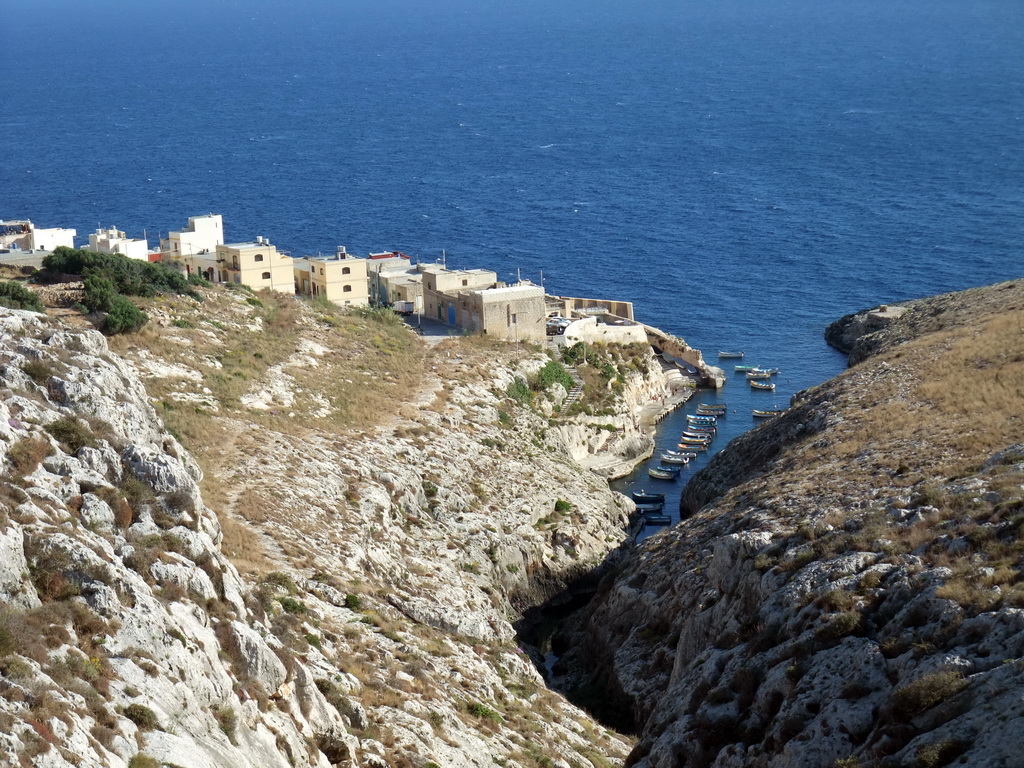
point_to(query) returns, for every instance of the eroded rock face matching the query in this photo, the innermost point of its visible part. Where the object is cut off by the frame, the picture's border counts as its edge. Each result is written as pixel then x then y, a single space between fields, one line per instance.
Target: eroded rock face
pixel 847 587
pixel 124 629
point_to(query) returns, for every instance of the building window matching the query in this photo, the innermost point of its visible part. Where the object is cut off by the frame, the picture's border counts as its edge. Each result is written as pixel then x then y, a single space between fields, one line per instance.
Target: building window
pixel 465 282
pixel 266 275
pixel 321 270
pixel 258 257
pixel 347 289
pixel 346 270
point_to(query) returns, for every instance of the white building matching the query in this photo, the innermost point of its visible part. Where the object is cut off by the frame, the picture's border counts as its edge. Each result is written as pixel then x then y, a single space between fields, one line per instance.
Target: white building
pixel 200 238
pixel 114 241
pixel 24 235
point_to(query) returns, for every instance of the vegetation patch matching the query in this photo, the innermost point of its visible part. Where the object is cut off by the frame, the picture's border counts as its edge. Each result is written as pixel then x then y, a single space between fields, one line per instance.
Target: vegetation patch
pixel 926 692
pixel 17 296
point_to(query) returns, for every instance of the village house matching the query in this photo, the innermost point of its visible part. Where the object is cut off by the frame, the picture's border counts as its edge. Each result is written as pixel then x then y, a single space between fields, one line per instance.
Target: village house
pixel 113 240
pixel 393 279
pixel 194 249
pixel 199 249
pixel 341 278
pixel 258 265
pixel 22 235
pixel 473 299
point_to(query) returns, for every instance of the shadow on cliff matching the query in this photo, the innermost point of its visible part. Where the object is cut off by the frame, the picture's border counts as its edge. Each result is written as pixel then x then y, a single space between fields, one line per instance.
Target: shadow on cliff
pixel 549 630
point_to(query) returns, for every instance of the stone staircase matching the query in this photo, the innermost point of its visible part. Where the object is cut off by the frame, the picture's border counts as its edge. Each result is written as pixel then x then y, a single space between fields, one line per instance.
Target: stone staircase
pixel 575 392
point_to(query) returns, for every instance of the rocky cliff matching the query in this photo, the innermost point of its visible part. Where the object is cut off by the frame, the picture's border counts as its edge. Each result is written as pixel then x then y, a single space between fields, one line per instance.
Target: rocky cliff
pixel 382 566
pixel 848 590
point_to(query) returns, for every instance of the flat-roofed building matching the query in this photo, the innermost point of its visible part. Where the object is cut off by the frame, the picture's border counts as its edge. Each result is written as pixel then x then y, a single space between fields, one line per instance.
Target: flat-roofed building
pixel 341 278
pixel 258 265
pixel 194 248
pixel 113 240
pixel 513 312
pixel 24 235
pixel 474 300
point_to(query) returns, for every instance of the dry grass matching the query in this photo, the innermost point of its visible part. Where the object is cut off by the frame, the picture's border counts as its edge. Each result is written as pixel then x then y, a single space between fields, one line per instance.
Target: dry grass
pixel 935 406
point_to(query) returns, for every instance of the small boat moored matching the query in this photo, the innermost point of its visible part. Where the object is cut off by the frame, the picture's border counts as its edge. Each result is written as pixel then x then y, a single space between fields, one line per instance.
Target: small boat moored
pixel 726 355
pixel 673 457
pixel 745 368
pixel 766 386
pixel 767 413
pixel 649 509
pixel 692 419
pixel 657 520
pixel 645 497
pixel 711 410
pixel 758 375
pixel 662 472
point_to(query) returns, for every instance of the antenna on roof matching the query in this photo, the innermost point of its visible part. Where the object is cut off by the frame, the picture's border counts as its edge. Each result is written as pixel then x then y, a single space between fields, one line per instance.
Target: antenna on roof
pixel 444 259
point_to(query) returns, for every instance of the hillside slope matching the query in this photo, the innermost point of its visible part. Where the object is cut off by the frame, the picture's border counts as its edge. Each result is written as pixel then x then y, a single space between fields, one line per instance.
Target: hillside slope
pixel 385 512
pixel 848 590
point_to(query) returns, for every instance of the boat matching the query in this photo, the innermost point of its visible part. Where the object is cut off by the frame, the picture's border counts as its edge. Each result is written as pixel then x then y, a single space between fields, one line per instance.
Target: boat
pixel 767 413
pixel 725 355
pixel 693 446
pixel 704 429
pixel 711 410
pixel 646 509
pixel 662 472
pixel 671 457
pixel 684 454
pixel 645 497
pixel 702 420
pixel 758 375
pixel 657 520
pixel 745 368
pixel 768 386
pixel 772 371
pixel 700 438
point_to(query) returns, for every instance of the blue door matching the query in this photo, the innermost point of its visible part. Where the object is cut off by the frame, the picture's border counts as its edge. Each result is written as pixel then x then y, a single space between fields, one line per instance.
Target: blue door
pixel 451 314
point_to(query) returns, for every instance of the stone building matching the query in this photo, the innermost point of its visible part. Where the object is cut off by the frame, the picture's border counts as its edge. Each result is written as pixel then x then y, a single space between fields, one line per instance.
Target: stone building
pixel 341 278
pixel 473 299
pixel 258 265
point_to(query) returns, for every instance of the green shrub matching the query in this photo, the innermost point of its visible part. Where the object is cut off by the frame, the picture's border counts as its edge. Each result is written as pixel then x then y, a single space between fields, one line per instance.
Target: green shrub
pixel 99 293
pixel 519 391
pixel 144 717
pixel 353 602
pixel 554 372
pixel 71 433
pixel 124 317
pixel 479 710
pixel 143 761
pixel 561 505
pixel 17 296
pixel 281 579
pixel 291 605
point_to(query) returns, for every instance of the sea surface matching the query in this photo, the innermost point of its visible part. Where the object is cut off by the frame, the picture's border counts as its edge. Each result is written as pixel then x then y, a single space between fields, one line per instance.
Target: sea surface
pixel 744 171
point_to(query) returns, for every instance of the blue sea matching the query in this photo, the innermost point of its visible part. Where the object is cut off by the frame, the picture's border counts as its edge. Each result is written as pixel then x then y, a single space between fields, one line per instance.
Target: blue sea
pixel 744 171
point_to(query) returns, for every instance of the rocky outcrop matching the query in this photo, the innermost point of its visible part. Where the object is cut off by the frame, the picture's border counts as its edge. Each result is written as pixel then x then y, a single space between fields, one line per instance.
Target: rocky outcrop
pixel 848 589
pixel 377 631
